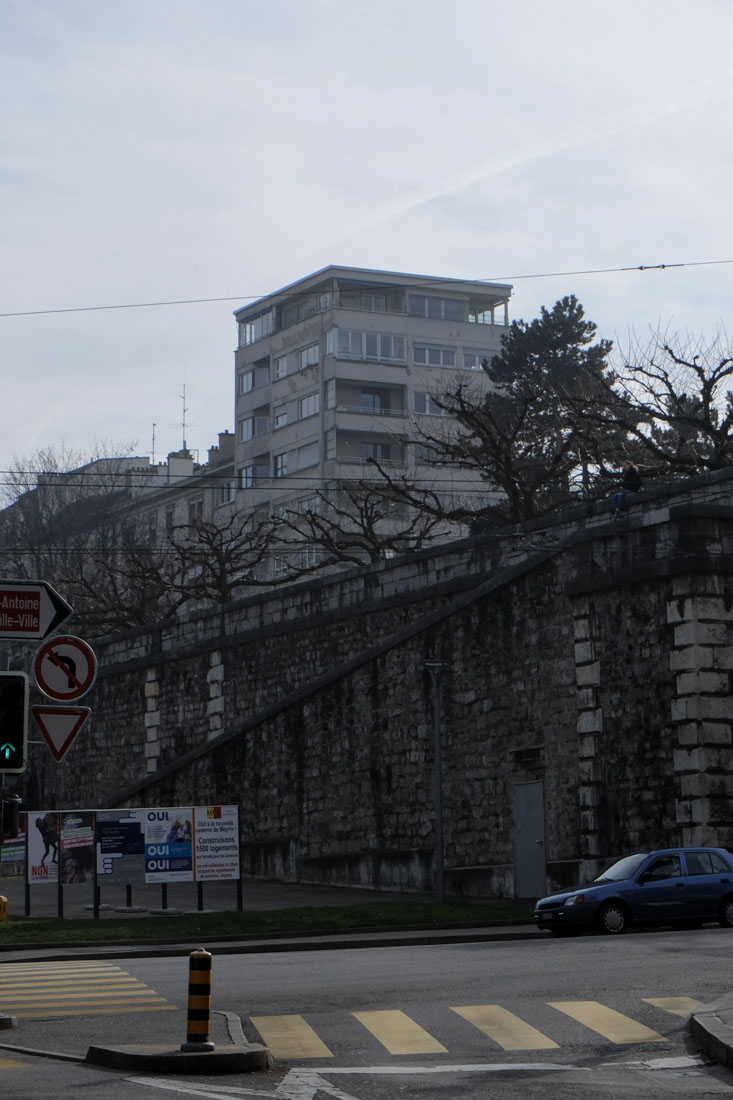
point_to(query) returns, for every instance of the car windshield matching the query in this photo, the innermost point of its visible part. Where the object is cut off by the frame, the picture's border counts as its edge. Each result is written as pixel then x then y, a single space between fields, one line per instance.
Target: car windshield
pixel 623 868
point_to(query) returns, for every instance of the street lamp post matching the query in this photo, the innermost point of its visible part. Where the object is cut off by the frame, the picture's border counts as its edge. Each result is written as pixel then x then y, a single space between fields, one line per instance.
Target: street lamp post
pixel 435 669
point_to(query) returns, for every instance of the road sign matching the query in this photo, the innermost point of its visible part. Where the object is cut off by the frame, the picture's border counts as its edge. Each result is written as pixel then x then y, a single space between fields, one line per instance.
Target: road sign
pixel 59 726
pixel 65 667
pixel 30 609
pixel 13 722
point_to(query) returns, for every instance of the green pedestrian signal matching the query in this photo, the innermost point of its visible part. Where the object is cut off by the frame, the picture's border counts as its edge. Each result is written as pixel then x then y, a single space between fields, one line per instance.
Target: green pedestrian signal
pixel 13 722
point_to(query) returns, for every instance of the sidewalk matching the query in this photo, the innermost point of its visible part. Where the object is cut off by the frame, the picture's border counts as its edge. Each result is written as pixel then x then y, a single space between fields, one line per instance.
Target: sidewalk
pixel 711 1026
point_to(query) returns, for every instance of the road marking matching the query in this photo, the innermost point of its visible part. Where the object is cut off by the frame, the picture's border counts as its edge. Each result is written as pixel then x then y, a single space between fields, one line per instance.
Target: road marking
pixel 505 1028
pixel 311 1084
pixel 607 1022
pixel 290 1037
pixel 398 1033
pixel 678 1006
pixel 37 990
pixel 8 1063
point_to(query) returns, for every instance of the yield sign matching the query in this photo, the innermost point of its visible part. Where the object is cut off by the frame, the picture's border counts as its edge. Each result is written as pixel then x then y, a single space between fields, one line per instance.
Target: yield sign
pixel 30 609
pixel 60 725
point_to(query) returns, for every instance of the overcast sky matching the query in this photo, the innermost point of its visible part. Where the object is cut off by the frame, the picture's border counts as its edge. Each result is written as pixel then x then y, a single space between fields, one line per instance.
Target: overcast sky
pixel 157 150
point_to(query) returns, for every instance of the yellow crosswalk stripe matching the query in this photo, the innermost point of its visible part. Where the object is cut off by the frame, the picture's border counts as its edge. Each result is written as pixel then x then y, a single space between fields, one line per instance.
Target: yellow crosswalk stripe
pixel 678 1006
pixel 118 1010
pixel 37 990
pixel 607 1022
pixel 290 1037
pixel 505 1028
pixel 398 1033
pixel 8 1063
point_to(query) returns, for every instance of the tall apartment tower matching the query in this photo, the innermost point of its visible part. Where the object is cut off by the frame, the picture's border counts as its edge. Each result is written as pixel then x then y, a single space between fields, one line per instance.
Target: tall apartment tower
pixel 340 366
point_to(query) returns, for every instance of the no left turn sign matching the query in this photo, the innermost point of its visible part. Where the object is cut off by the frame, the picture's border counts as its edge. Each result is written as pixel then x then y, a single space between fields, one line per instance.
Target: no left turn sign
pixel 65 667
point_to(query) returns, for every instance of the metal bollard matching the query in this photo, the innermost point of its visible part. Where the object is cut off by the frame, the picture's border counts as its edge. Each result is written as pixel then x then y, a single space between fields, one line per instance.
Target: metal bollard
pixel 199 1002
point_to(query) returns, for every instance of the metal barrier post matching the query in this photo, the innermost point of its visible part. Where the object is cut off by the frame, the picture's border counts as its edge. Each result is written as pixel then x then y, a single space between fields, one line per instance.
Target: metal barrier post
pixel 199 1002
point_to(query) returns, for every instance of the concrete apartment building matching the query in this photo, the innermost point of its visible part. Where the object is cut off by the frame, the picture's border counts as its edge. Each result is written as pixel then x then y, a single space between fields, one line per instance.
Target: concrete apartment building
pixel 340 366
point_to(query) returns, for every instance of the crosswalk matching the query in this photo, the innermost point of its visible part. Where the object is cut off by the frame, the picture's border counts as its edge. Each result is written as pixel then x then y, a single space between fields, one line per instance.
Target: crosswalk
pixel 43 990
pixel 293 1037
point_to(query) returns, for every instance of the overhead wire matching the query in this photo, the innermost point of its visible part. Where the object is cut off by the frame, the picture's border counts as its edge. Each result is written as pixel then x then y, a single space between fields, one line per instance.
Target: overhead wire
pixel 285 293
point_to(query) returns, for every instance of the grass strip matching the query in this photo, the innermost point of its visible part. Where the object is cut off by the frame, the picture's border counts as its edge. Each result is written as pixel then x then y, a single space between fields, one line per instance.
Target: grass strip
pixel 272 922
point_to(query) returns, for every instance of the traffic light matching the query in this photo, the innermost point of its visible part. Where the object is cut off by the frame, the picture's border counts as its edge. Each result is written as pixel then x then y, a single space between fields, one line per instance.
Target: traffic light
pixel 10 820
pixel 13 721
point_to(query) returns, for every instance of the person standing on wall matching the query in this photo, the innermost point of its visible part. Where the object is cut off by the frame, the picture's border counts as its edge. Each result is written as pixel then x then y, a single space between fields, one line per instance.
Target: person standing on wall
pixel 630 483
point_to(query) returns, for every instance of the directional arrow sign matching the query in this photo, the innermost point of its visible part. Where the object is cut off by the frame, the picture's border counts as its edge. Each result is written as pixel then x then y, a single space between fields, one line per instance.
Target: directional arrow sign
pixel 30 609
pixel 60 725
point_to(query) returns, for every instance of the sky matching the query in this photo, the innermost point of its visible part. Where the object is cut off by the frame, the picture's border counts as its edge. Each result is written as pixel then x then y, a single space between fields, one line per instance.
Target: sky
pixel 171 150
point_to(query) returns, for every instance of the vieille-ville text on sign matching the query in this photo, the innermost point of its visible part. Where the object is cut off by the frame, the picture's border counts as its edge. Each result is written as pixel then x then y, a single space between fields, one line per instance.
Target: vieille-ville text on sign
pixel 30 609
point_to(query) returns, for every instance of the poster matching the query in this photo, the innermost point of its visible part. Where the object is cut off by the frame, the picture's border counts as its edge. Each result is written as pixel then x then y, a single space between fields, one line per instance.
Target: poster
pixel 77 846
pixel 43 847
pixel 120 847
pixel 216 851
pixel 12 856
pixel 168 845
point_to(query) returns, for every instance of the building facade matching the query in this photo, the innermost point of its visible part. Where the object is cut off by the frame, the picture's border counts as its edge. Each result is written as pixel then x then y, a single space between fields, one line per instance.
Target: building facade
pixel 342 367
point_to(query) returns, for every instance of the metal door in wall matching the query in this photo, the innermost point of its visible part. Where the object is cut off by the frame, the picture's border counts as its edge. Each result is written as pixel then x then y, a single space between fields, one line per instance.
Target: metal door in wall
pixel 530 871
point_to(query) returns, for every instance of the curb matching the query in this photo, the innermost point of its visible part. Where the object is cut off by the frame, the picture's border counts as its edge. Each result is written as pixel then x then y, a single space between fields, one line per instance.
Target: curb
pixel 162 1058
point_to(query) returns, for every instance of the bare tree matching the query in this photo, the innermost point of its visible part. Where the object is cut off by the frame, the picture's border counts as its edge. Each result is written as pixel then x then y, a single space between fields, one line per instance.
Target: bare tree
pixel 358 522
pixel 673 397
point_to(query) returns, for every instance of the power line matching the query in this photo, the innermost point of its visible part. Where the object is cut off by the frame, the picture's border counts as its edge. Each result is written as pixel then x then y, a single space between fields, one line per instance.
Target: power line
pixel 413 286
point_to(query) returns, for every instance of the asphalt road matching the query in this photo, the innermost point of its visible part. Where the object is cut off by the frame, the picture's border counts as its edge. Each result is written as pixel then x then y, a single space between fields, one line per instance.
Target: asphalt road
pixel 535 1017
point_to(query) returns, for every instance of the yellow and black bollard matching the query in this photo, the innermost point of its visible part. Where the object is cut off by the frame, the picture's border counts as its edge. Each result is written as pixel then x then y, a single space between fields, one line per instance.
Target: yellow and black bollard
pixel 199 1003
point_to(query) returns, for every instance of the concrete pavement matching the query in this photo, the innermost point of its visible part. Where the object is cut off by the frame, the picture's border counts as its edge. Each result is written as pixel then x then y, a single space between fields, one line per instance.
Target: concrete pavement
pixel 711 1026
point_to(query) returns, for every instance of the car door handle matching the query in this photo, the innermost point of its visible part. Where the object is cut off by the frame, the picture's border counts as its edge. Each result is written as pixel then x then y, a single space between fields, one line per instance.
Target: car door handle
pixel 722 880
pixel 680 885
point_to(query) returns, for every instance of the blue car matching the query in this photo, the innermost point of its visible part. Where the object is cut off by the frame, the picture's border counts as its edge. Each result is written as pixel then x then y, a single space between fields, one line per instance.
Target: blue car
pixel 685 887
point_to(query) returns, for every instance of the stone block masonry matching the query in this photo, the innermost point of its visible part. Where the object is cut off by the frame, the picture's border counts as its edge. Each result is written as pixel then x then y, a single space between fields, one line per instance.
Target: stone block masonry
pixel 593 667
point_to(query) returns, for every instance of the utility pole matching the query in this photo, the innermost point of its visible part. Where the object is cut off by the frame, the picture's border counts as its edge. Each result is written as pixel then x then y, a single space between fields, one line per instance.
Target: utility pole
pixel 435 668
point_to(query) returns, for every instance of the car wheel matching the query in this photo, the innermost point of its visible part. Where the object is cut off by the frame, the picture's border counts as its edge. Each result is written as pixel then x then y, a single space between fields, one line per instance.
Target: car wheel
pixel 725 913
pixel 613 919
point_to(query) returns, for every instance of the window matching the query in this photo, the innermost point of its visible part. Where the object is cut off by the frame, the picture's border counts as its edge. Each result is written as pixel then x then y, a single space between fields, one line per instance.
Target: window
pixel 377 303
pixel 308 556
pixel 366 345
pixel 331 443
pixel 381 451
pixel 308 406
pixel 331 393
pixel 434 356
pixel 307 456
pixel 281 366
pixel 195 511
pixel 252 426
pixel 281 465
pixel 312 505
pixel 425 403
pixel 254 473
pixel 256 328
pixel 705 863
pixel 438 309
pixel 474 360
pixel 253 379
pixel 225 493
pixel 308 357
pixel 371 401
pixel 427 454
pixel 280 416
pixel 663 867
